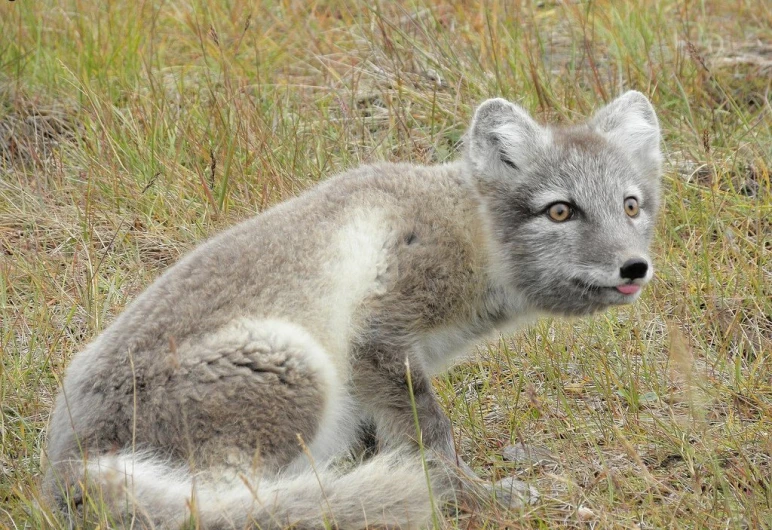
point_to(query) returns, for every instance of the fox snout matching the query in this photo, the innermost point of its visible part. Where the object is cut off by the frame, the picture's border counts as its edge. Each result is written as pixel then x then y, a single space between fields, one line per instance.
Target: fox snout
pixel 634 268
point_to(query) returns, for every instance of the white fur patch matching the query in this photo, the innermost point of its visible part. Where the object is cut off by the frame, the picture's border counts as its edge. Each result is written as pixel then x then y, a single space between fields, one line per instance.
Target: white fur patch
pixel 358 262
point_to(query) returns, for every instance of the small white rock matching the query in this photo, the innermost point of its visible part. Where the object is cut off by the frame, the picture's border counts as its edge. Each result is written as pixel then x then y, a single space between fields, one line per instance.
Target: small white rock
pixel 585 514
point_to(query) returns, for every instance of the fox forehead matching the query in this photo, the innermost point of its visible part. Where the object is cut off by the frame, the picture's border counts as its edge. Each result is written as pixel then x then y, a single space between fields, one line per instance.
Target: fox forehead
pixel 571 173
pixel 580 138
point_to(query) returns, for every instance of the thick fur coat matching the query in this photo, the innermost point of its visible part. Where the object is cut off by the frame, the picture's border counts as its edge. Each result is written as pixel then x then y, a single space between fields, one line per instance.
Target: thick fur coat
pixel 225 390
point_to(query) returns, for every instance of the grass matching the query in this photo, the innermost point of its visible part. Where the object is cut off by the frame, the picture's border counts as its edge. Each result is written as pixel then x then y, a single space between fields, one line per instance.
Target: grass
pixel 130 131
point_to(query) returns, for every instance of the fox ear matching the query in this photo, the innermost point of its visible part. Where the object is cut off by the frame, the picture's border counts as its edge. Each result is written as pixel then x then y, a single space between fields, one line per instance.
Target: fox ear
pixel 503 139
pixel 631 123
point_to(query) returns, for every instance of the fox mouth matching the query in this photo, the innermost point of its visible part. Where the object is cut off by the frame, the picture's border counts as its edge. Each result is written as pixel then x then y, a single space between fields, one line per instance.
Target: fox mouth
pixel 626 289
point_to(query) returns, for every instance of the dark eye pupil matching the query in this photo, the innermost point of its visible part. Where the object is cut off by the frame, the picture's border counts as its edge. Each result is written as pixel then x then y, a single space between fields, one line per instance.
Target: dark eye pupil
pixel 631 206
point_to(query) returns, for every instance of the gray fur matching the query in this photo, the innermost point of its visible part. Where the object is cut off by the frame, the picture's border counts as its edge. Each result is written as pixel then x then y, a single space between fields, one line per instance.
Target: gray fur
pixel 257 358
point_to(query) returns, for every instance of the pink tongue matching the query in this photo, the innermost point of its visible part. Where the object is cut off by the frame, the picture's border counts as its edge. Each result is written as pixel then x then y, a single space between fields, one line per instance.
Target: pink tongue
pixel 628 288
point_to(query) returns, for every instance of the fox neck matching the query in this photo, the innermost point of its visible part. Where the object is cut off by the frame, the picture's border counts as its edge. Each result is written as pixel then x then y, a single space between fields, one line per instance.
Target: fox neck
pixel 503 306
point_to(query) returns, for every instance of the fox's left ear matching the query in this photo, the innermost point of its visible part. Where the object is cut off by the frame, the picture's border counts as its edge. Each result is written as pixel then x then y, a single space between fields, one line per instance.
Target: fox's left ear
pixel 631 123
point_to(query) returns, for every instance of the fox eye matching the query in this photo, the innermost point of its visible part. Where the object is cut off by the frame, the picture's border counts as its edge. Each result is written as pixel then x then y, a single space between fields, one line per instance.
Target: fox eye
pixel 560 211
pixel 631 207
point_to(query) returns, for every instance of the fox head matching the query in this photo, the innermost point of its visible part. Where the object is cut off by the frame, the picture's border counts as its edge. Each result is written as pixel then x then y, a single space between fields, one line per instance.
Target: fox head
pixel 572 210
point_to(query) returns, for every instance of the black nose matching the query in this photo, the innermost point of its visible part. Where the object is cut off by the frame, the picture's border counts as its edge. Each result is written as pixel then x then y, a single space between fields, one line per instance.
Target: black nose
pixel 634 268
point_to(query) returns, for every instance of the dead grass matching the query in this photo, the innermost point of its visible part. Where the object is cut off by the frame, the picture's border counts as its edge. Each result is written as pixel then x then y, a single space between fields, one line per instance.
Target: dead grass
pixel 129 132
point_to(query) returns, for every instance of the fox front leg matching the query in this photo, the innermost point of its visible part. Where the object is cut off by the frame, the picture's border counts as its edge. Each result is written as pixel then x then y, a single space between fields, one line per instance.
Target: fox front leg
pixel 394 392
pixel 384 384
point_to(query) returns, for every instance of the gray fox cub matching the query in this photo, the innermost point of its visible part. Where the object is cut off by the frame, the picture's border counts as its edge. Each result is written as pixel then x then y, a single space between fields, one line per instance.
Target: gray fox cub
pixel 225 390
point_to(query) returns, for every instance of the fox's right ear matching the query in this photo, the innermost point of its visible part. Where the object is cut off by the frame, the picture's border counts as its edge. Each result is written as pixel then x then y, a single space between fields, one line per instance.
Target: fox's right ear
pixel 503 139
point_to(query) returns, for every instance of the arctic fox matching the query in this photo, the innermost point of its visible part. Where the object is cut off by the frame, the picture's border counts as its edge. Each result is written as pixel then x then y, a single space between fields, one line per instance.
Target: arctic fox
pixel 225 390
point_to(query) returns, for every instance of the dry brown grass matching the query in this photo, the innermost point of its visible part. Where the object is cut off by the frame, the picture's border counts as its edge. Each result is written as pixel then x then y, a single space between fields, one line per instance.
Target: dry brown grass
pixel 130 131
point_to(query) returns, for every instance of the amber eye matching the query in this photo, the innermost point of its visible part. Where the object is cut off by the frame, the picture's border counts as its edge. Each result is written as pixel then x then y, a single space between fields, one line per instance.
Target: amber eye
pixel 631 206
pixel 560 212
